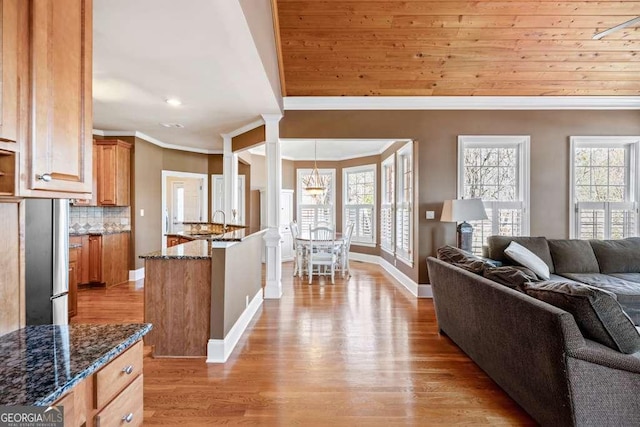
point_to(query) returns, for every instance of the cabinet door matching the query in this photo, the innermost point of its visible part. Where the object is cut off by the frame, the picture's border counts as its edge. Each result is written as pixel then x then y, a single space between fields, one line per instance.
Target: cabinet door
pixel 11 273
pixel 61 115
pixel 115 258
pixel 95 259
pixel 9 83
pixel 113 172
pixel 73 282
pixel 107 164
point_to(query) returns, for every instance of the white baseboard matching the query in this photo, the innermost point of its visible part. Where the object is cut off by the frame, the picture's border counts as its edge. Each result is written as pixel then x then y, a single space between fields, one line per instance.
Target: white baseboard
pixel 135 275
pixel 418 290
pixel 219 350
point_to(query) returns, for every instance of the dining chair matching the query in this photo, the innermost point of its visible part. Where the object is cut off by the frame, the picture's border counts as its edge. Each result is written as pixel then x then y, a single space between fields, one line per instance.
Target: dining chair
pixel 322 252
pixel 344 250
pixel 298 250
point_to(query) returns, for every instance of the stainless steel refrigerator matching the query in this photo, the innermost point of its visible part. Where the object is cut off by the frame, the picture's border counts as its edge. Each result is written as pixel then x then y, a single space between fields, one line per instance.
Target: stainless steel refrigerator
pixel 47 261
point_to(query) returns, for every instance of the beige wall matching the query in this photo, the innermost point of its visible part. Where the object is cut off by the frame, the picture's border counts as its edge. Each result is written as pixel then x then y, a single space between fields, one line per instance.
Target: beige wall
pixel 436 134
pixel 259 173
pixel 148 162
pixel 147 183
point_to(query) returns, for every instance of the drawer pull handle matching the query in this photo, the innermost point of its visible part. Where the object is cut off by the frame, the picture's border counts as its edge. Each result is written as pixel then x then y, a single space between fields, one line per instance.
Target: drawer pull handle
pixel 128 418
pixel 128 369
pixel 46 177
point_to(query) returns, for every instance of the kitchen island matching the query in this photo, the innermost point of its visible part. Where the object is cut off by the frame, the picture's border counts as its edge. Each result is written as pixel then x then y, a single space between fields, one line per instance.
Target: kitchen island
pixel 90 370
pixel 200 295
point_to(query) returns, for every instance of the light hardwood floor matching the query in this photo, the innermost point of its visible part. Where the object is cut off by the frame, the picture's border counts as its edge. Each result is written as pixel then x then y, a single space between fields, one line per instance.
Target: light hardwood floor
pixel 362 352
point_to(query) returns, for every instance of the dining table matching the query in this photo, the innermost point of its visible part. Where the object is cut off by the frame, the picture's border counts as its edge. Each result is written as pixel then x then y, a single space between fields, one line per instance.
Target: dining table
pixel 303 246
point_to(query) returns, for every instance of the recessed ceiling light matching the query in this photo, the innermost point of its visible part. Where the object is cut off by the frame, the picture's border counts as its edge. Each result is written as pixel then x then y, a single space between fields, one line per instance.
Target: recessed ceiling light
pixel 174 102
pixel 172 125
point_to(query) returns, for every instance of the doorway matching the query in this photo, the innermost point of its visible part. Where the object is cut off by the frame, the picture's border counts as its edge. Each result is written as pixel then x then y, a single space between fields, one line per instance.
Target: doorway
pixel 184 199
pixel 217 196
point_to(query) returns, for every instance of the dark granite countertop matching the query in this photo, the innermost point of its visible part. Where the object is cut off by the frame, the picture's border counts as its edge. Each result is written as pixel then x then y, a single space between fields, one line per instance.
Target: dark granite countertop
pixel 200 245
pixel 197 249
pixel 230 236
pixel 97 233
pixel 38 364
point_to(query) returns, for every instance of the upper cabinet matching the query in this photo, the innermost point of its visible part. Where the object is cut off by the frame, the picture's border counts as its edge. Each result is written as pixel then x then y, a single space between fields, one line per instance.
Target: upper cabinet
pixel 113 158
pixel 57 153
pixel 9 83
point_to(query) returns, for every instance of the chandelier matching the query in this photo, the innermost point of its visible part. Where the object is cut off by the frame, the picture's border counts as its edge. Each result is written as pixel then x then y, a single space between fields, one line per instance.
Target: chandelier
pixel 316 184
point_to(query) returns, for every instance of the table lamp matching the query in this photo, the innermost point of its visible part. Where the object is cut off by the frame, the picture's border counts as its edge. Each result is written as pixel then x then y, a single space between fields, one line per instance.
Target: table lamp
pixel 463 210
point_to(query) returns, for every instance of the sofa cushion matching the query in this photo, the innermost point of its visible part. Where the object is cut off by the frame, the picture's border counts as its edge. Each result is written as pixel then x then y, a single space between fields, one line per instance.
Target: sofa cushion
pixel 627 292
pixel 596 311
pixel 629 277
pixel 525 257
pixel 618 256
pixel 537 245
pixel 512 276
pixel 573 256
pixel 462 259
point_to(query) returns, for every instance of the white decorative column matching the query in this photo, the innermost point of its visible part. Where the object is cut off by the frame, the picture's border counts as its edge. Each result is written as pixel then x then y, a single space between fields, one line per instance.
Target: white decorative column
pixel 229 177
pixel 273 256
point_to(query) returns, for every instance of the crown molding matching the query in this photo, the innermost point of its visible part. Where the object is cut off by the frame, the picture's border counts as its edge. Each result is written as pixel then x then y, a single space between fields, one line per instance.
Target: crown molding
pixel 154 141
pixel 461 103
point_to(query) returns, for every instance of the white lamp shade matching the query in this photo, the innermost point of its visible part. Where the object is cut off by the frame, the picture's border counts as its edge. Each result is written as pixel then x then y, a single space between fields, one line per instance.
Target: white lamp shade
pixel 463 210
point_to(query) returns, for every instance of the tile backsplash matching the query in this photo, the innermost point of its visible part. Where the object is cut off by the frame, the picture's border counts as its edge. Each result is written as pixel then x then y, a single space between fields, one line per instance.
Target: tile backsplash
pixel 98 219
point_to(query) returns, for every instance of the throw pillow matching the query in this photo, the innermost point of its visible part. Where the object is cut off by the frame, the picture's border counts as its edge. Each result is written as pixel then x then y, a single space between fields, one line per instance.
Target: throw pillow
pixel 596 311
pixel 451 254
pixel 462 259
pixel 525 257
pixel 510 275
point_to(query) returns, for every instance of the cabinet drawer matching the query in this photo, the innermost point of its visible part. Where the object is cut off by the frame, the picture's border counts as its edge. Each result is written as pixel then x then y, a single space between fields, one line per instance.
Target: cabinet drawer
pixel 126 409
pixel 117 374
pixel 68 405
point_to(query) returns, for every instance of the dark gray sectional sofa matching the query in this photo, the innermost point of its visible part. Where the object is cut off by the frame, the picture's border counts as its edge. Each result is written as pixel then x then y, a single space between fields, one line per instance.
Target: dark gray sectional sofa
pixel 536 351
pixel 613 265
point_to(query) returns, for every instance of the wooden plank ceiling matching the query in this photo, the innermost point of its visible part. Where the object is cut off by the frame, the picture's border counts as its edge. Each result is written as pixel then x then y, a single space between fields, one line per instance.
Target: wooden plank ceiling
pixel 427 47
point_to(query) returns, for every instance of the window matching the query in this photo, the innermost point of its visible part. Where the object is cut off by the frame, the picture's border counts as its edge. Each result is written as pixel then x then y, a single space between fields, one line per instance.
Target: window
pixel 314 209
pixel 496 170
pixel 359 200
pixel 604 187
pixel 388 202
pixel 404 204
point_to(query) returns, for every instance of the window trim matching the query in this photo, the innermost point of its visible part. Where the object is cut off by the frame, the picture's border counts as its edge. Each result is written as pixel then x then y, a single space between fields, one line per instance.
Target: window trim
pixel 399 254
pixel 391 160
pixel 523 143
pixel 633 142
pixel 355 169
pixel 300 190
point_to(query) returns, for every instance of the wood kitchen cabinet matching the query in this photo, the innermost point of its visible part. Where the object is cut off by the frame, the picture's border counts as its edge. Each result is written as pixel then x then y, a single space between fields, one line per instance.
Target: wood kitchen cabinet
pixel 57 144
pixel 8 97
pixel 9 54
pixel 108 259
pixel 114 171
pixel 82 262
pixel 95 259
pixel 74 256
pixel 12 315
pixel 115 258
pixel 113 396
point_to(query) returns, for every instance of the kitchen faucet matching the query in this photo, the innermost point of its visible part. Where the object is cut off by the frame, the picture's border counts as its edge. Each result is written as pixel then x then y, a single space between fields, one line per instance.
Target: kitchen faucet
pixel 224 219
